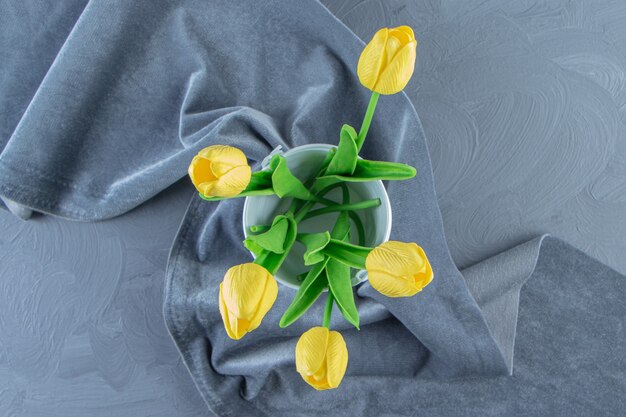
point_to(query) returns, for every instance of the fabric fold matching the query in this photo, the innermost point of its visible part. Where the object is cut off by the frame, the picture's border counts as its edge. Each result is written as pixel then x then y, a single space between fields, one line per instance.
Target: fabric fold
pixel 156 108
pixel 495 284
pixel 138 88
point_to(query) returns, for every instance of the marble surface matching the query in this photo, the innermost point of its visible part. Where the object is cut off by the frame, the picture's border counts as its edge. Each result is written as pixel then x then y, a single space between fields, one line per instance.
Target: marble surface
pixel 81 327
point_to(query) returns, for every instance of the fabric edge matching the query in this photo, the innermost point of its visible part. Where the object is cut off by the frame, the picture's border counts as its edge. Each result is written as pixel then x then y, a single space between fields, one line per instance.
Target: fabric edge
pixel 496 282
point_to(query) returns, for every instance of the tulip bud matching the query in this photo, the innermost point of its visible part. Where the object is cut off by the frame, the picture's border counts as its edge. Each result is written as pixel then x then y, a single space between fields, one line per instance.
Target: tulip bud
pixel 387 62
pixel 246 295
pixel 220 171
pixel 398 269
pixel 322 358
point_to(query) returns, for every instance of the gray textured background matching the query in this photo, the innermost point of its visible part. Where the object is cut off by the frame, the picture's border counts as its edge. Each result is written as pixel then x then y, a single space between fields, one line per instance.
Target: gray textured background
pixel 81 330
pixel 540 81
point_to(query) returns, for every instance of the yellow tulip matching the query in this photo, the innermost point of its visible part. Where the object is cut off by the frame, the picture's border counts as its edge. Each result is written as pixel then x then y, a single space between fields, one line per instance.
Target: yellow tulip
pixel 398 269
pixel 321 358
pixel 220 171
pixel 246 295
pixel 387 62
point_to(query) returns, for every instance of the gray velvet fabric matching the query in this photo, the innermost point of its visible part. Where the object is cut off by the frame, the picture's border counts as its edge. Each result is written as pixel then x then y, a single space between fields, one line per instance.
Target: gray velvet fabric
pixel 570 352
pixel 138 88
pixel 107 351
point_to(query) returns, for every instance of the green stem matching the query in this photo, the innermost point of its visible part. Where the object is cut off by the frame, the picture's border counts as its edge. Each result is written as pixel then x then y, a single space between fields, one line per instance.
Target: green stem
pixel 359 227
pixel 367 120
pixel 260 184
pixel 345 194
pixel 259 228
pixel 303 211
pixel 266 191
pixel 272 261
pixel 328 310
pixel 365 204
pixel 327 201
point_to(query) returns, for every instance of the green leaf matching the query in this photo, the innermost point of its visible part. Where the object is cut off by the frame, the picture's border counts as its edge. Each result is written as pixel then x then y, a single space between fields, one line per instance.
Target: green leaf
pixel 253 247
pixel 323 166
pixel 273 240
pixel 340 285
pixel 314 243
pixel 345 160
pixel 370 171
pixel 342 227
pixel 347 253
pixel 338 273
pixel 260 180
pixel 383 170
pixel 285 183
pixel 309 290
pixel 272 261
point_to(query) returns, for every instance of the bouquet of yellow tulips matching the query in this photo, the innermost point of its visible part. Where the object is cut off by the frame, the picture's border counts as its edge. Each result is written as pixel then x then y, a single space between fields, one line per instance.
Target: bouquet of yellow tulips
pixel 395 269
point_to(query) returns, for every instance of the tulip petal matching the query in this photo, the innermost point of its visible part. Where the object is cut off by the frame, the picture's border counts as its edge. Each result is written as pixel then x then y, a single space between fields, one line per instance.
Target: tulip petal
pixel 403 33
pixel 311 351
pixel 220 171
pixel 398 71
pixel 223 157
pixel 230 184
pixel 269 297
pixel 425 276
pixel 239 327
pixel 391 285
pixel 336 359
pixel 398 269
pixel 319 377
pixel 206 188
pixel 393 46
pixel 319 382
pixel 243 287
pixel 372 59
pixel 200 171
pixel 396 258
pixel 225 316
